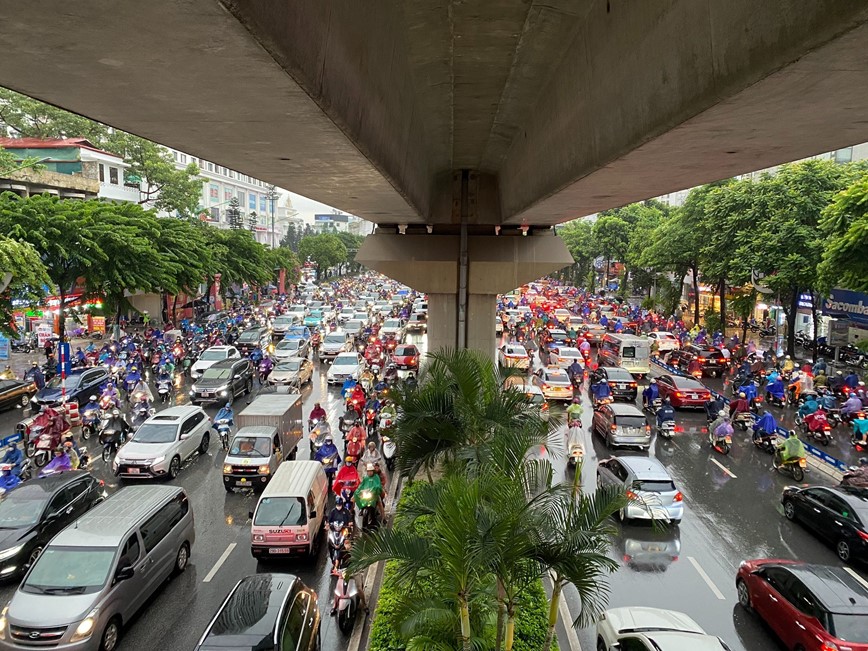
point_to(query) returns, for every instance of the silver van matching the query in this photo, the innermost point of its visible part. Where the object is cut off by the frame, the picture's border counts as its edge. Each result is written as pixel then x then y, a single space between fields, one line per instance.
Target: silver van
pixel 94 575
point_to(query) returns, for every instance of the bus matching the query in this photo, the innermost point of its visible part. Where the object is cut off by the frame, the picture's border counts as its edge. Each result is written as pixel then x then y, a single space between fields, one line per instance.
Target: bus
pixel 627 351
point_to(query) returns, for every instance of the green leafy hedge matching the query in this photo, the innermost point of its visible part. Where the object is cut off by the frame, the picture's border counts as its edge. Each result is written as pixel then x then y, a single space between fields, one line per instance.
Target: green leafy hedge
pixel 530 625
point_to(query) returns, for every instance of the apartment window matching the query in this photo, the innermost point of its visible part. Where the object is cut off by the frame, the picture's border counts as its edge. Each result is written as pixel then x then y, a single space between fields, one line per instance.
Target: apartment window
pixel 231 174
pixel 183 158
pixel 844 155
pixel 193 160
pixel 201 164
pixel 101 173
pixel 113 175
pixel 220 169
pixel 175 154
pixel 215 214
pixel 210 167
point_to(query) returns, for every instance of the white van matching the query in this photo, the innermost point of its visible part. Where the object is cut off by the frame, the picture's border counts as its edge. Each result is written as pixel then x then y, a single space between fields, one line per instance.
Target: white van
pixel 289 515
pixel 630 352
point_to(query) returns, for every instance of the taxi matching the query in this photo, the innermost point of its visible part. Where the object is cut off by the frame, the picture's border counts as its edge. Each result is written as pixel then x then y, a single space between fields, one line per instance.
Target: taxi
pixel 513 355
pixel 555 383
pixel 564 356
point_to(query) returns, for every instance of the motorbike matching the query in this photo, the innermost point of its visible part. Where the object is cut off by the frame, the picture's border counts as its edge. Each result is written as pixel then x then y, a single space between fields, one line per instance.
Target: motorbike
pixel 575 447
pixel 347 598
pixel 90 420
pixel 793 467
pixel 745 420
pixel 164 390
pixel 652 406
pixel 140 415
pixel 389 451
pixel 817 427
pixel 766 442
pixel 264 370
pixel 666 429
pixel 722 444
pixel 330 465
pixel 852 478
pixel 44 448
pixel 371 421
pixel 110 440
pixel 22 346
pixel 366 502
pixel 348 420
pixel 852 356
pixel 337 536
pixel 223 430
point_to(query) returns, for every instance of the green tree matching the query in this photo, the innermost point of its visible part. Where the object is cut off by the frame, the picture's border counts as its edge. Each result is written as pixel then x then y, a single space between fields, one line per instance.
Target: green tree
pixel 845 225
pixel 326 250
pixel 22 276
pixel 233 215
pixel 283 258
pixel 186 258
pixel 612 238
pixel 351 243
pixel 161 184
pixel 578 236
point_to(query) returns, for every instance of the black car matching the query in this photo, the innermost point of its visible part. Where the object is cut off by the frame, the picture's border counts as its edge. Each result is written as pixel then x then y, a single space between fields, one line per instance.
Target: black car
pixel 621 382
pixel 16 393
pixel 712 360
pixel 80 385
pixel 251 338
pixel 32 513
pixel 837 515
pixel 265 612
pixel 223 381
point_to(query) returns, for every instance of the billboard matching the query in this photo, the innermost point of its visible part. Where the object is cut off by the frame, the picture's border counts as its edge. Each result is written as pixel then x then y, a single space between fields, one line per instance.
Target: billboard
pixel 214 192
pixel 322 218
pixel 845 304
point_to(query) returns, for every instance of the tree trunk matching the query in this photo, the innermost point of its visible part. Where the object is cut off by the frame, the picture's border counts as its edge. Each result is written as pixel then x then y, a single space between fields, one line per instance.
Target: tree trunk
pixel 510 630
pixel 464 613
pixel 606 279
pixel 553 614
pixel 814 298
pixel 118 318
pixel 695 271
pixel 175 309
pixel 791 323
pixel 61 320
pixel 723 304
pixel 501 613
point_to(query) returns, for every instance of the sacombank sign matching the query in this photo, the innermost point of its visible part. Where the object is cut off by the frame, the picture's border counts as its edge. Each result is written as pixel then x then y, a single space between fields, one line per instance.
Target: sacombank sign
pixel 844 303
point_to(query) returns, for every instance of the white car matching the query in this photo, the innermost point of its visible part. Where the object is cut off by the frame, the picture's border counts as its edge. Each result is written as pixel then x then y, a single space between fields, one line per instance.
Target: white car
pixel 514 355
pixel 299 310
pixel 346 314
pixel 345 366
pixel 392 328
pixel 652 629
pixel 211 356
pixel 666 341
pixel 562 315
pixel 290 348
pixel 564 356
pixel 361 316
pixel 163 443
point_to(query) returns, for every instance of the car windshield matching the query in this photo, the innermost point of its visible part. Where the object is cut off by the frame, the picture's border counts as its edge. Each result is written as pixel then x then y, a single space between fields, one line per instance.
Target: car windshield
pixel 249 336
pixel 250 446
pixel 618 375
pixel 70 570
pixel 850 628
pixel 155 433
pixel 405 350
pixel 556 376
pixel 631 421
pixel 283 321
pixel 392 323
pixel 22 507
pixel 354 325
pixel 72 381
pixel 559 336
pixel 280 511
pixel 345 361
pixel 628 352
pixel 217 374
pixel 288 366
pixel 335 339
pixel 212 355
pixel 536 398
pixel 289 344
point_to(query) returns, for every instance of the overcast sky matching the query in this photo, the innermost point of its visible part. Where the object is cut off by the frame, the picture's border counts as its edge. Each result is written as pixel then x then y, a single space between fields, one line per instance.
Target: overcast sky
pixel 307 208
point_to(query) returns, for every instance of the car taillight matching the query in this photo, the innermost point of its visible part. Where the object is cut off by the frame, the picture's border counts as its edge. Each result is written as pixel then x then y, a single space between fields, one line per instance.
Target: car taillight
pixel 678 428
pixel 863 535
pixel 613 427
pixel 828 646
pixel 632 496
pixel 722 360
pixel 647 428
pixel 678 497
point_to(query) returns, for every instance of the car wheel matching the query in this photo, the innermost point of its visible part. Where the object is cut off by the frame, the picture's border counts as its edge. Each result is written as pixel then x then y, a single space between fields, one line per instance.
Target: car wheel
pixel 601 645
pixel 249 388
pixel 622 516
pixel 790 510
pixel 675 522
pixel 181 559
pixel 111 634
pixel 174 467
pixel 843 550
pixel 743 594
pixel 33 556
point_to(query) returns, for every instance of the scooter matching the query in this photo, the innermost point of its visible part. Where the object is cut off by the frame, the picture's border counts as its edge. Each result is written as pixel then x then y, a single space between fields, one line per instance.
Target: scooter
pixel 348 420
pixel 330 466
pixel 745 420
pixel 666 429
pixel 140 415
pixel 366 502
pixel 110 440
pixel 337 537
pixel 164 390
pixel 817 427
pixel 44 447
pixel 652 406
pixel 722 444
pixel 575 447
pixel 794 467
pixel 389 451
pixel 223 430
pixel 766 442
pixel 347 598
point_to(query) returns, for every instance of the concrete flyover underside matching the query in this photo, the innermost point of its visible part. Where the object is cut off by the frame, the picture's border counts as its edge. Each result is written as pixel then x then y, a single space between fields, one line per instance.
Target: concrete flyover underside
pixel 560 107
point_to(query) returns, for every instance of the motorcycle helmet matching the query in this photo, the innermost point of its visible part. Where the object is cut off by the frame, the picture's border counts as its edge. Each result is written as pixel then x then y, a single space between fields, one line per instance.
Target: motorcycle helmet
pixel 339 501
pixel 228 405
pixel 791 434
pixel 92 398
pixel 116 412
pixel 742 394
pixel 67 444
pixel 667 400
pixel 653 380
pixel 36 364
pixel 348 461
pixel 328 438
pixel 839 373
pixel 369 467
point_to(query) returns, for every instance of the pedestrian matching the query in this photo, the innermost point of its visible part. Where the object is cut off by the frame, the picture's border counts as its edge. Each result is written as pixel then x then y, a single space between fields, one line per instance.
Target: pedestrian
pixel 49 349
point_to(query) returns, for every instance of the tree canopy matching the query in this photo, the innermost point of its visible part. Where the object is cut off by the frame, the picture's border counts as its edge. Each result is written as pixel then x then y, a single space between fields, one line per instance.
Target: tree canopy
pixel 326 250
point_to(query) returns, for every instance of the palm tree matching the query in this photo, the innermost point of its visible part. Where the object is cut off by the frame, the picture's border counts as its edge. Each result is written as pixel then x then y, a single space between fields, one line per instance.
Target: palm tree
pixel 458 406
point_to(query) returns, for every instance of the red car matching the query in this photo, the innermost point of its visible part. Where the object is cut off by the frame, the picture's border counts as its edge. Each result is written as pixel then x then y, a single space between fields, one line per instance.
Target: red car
pixel 809 607
pixel 683 391
pixel 406 356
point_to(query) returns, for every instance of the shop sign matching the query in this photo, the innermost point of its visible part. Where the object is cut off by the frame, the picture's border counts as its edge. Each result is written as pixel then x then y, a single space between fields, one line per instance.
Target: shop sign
pixel 845 304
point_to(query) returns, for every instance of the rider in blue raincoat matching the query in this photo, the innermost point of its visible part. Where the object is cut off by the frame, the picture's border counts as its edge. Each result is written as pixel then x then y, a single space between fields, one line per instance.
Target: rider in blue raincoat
pixel 765 426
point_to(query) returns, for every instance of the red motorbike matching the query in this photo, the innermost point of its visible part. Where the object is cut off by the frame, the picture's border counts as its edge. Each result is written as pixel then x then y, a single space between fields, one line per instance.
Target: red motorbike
pixel 817 427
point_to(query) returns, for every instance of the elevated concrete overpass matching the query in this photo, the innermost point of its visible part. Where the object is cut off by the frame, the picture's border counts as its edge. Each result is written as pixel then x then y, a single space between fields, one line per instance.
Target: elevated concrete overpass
pixel 460 123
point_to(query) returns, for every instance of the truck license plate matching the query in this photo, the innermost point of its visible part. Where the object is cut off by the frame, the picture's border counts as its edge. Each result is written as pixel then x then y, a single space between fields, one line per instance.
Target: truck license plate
pixel 241 482
pixel 278 550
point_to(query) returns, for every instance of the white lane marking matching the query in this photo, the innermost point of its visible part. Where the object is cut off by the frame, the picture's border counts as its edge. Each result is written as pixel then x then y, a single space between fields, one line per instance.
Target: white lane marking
pixel 852 572
pixel 219 563
pixel 706 578
pixel 722 467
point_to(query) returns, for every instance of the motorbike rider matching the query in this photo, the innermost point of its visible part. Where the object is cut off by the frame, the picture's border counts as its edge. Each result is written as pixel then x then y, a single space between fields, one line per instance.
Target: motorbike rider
pixel 112 394
pixel 852 380
pixel 857 477
pixel 118 423
pixel 765 426
pixel 91 406
pixel 852 405
pixel 665 413
pixel 576 372
pixel 651 393
pixel 15 457
pixel 574 412
pixel 739 406
pixel 59 463
pixel 34 374
pixel 347 478
pixel 326 450
pixel 357 396
pixel 819 366
pixel 775 389
pixel 826 399
pixel 724 429
pixel 317 413
pixel 72 454
pixel 860 431
pixel 371 482
pixel 714 406
pixel 339 514
pixel 749 391
pixel 371 454
pixel 809 406
pixel 601 390
pixel 791 448
pixel 788 365
pixel 347 388
pixel 694 367
pixel 837 381
pixel 821 379
pixel 388 411
pixel 164 375
pixel 7 374
pixel 225 413
pixel 132 379
pixel 8 480
pixel 256 354
pixel 141 390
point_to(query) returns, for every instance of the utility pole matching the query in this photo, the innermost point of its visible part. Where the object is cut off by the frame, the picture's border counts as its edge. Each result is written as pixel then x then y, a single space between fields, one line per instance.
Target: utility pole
pixel 272 196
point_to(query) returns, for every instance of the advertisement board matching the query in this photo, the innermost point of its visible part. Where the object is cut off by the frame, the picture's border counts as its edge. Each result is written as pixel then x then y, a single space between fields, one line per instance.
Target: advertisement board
pixel 98 324
pixel 846 304
pixel 4 349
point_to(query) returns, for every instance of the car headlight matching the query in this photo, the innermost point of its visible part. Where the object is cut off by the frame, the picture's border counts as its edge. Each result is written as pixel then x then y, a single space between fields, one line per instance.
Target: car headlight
pixel 193 391
pixel 6 554
pixel 157 460
pixel 264 470
pixel 227 469
pixel 223 393
pixel 86 627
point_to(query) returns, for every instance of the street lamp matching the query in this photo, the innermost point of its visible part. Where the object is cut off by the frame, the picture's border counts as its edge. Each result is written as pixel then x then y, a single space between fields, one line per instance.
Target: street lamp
pixel 272 196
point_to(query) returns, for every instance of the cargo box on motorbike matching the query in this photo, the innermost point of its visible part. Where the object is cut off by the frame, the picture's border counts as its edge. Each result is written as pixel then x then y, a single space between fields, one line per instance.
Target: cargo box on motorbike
pixel 254 455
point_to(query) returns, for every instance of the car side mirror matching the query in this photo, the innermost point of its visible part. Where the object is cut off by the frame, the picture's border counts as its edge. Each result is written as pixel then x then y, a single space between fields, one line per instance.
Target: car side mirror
pixel 238 376
pixel 185 436
pixel 124 573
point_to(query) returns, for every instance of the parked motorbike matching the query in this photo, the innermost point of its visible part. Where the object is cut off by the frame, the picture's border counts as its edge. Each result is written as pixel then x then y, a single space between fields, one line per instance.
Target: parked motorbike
pixel 347 598
pixel 852 356
pixel 793 467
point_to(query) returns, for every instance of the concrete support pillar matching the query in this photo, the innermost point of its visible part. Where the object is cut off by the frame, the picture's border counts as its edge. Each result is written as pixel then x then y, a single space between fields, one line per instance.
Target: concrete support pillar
pixel 496 264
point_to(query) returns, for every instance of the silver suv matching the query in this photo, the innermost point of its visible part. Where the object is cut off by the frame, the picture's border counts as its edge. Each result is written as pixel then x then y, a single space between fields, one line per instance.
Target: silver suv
pixel 652 492
pixel 163 442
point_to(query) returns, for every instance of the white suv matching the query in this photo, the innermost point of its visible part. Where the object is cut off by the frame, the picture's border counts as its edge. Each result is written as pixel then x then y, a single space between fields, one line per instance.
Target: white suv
pixel 652 629
pixel 211 356
pixel 163 442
